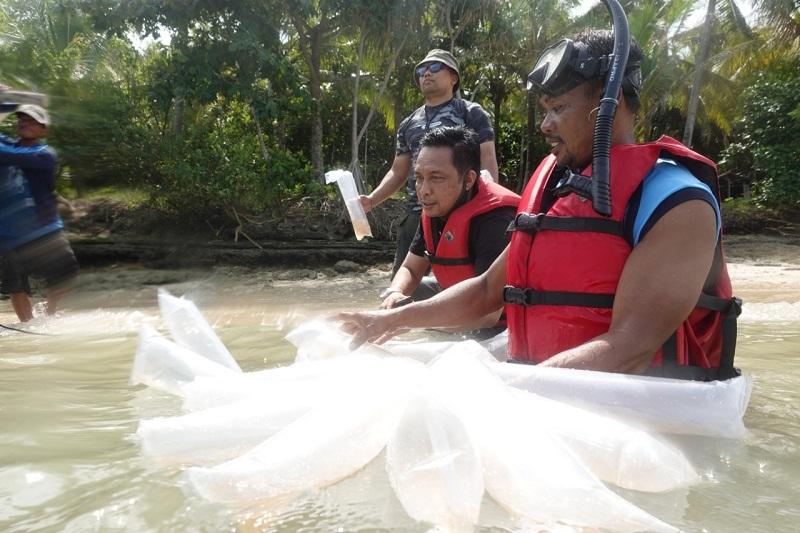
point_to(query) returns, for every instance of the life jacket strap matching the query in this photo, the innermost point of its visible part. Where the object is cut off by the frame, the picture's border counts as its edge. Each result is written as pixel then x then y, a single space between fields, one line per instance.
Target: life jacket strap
pixel 730 309
pixel 532 224
pixel 518 296
pixel 447 261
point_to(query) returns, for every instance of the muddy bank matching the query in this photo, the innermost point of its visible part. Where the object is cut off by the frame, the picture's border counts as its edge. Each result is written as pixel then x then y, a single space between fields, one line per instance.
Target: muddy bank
pixel 304 236
pixel 105 233
pixel 189 253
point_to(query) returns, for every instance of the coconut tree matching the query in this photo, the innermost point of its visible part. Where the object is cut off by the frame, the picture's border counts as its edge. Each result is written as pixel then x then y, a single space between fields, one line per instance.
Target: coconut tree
pixel 732 21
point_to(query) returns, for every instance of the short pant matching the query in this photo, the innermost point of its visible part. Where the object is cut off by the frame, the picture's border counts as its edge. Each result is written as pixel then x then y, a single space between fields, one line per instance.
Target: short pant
pixel 49 258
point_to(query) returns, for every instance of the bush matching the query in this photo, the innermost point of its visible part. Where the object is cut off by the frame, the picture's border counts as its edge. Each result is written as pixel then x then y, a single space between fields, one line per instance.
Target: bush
pixel 765 145
pixel 218 164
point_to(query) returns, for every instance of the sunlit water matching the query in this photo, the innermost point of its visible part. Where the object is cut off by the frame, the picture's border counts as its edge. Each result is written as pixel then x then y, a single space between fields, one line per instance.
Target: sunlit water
pixel 69 462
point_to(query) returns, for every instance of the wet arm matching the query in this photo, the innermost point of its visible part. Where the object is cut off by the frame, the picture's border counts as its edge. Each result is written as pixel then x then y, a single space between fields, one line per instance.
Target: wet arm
pixel 659 287
pixel 463 303
pixel 407 279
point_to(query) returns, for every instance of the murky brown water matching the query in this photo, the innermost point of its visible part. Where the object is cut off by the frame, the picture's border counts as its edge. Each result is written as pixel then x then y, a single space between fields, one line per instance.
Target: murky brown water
pixel 67 415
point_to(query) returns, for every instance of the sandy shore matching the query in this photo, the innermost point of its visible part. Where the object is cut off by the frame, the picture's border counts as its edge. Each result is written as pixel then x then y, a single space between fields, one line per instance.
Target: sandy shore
pixel 764 268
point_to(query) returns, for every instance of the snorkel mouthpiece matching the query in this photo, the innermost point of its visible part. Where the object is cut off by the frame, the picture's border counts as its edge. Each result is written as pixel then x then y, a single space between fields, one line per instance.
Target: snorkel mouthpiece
pixel 565 65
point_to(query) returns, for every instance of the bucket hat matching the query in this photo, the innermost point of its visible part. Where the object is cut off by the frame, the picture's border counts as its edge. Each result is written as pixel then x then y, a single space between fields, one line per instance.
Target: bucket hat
pixel 437 54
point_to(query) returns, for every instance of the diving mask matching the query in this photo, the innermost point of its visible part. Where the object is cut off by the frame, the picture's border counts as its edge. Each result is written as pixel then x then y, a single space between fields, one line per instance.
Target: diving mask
pixel 566 64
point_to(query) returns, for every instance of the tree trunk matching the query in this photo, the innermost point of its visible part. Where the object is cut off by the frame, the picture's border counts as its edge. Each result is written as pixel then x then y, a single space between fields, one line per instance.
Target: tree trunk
pixel 354 126
pixel 176 127
pixel 260 133
pixel 398 95
pixel 530 133
pixel 316 96
pixel 699 71
pixel 498 95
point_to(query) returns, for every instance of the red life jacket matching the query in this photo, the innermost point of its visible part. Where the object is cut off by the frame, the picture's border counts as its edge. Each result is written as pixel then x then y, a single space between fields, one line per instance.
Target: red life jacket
pixel 451 262
pixel 566 260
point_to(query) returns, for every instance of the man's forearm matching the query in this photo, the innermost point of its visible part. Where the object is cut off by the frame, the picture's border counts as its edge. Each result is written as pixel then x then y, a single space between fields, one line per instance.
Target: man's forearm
pixel 610 352
pixel 405 281
pixel 390 184
pixel 462 304
pixel 489 160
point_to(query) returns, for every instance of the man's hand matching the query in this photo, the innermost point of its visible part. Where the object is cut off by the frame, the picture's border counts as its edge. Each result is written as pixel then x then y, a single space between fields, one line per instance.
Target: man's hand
pixel 393 299
pixel 366 203
pixel 376 327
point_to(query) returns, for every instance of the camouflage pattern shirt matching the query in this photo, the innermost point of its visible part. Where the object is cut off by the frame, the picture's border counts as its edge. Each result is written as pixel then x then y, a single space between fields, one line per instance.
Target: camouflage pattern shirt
pixel 455 112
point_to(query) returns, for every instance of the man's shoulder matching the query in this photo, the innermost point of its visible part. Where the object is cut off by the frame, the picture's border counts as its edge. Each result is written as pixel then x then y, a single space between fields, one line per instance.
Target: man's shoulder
pixel 469 105
pixel 49 152
pixel 670 173
pixel 414 115
pixel 502 213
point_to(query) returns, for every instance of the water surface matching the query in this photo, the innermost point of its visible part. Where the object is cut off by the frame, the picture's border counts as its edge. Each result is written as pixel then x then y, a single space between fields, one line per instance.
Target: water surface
pixel 68 461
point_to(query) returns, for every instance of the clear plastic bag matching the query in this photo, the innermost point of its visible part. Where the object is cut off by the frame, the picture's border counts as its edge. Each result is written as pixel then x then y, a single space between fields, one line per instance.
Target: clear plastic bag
pixel 347 186
pixel 191 331
pixel 433 466
pixel 713 409
pixel 527 470
pixel 163 365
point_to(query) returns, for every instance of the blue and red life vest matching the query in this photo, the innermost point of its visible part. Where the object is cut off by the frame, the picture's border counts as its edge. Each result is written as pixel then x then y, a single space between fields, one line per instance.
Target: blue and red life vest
pixel 565 262
pixel 450 259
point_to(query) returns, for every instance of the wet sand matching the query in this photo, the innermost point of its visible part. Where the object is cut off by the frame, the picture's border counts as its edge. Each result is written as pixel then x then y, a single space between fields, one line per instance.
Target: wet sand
pixel 764 268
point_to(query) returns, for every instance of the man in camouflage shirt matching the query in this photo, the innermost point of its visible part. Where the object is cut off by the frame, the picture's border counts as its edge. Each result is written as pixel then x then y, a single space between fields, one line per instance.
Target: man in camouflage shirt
pixel 438 78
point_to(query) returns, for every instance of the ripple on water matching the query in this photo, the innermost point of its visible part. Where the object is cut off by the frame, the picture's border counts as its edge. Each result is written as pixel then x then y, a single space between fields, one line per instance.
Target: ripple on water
pixel 770 312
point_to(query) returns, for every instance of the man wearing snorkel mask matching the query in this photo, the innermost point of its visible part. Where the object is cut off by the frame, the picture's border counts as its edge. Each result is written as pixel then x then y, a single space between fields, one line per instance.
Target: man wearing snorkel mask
pixel 438 78
pixel 644 290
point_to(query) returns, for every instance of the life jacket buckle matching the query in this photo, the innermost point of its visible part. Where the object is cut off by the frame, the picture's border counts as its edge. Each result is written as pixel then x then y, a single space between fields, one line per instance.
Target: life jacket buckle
pixel 574 183
pixel 528 223
pixel 515 295
pixel 736 307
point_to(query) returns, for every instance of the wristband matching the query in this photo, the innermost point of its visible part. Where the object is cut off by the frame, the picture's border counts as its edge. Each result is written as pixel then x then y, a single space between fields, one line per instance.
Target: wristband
pixel 387 292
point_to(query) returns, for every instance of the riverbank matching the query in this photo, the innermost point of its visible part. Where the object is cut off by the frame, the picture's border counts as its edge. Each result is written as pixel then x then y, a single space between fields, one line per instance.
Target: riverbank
pixel 146 246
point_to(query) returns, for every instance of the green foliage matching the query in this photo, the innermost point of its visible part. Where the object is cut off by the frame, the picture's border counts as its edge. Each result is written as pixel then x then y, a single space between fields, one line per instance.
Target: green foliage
pixel 185 119
pixel 742 215
pixel 765 148
pixel 219 163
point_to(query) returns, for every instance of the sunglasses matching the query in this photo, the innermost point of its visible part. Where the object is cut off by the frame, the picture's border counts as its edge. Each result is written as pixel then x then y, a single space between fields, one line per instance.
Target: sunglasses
pixel 434 67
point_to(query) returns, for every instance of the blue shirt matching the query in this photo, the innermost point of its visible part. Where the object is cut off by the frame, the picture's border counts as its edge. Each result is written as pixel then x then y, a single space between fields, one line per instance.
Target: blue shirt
pixel 27 197
pixel 668 185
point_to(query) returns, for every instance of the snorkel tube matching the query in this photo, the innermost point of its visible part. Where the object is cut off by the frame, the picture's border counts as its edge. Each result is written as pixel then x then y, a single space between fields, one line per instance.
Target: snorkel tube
pixel 601 144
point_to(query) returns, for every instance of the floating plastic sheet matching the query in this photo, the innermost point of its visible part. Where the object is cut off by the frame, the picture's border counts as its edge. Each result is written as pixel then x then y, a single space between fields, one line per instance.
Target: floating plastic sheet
pixel 651 404
pixel 300 382
pixel 320 339
pixel 713 409
pixel 452 429
pixel 615 452
pixel 217 434
pixel 324 446
pixel 191 331
pixel 163 365
pixel 527 470
pixel 433 465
